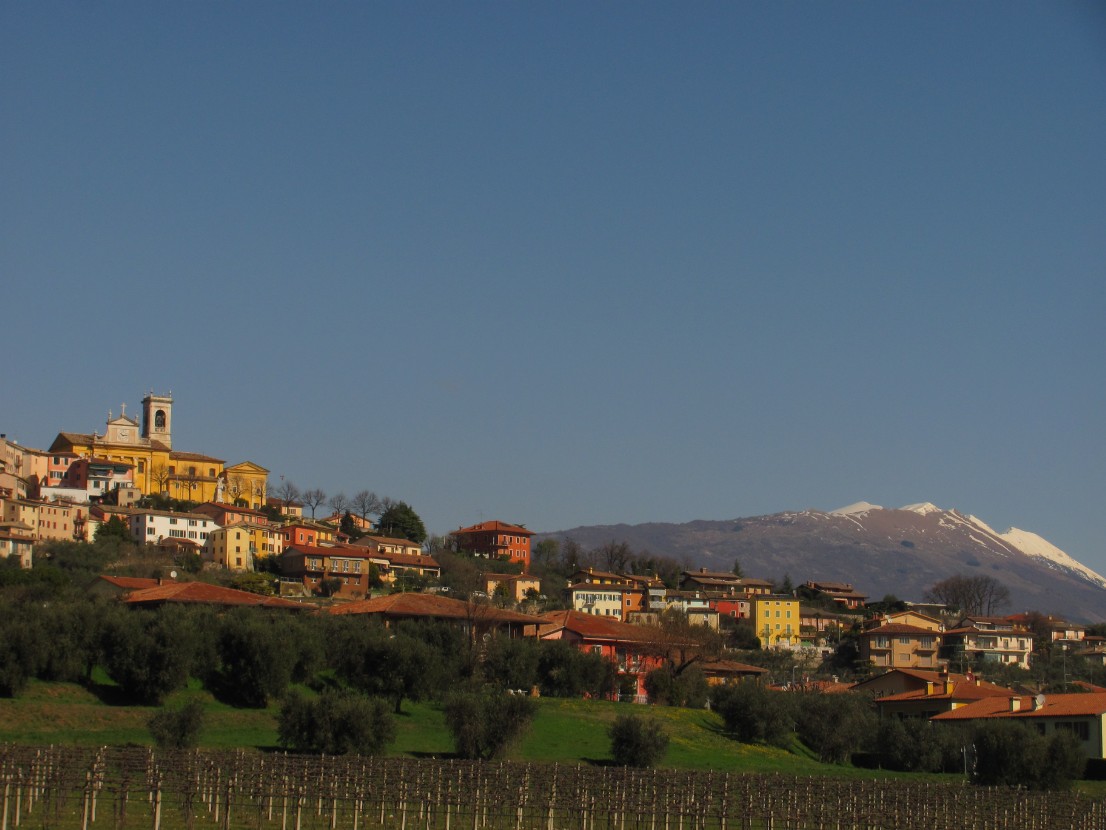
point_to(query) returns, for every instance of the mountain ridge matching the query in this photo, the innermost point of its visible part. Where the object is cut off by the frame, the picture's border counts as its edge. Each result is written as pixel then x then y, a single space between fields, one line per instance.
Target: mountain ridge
pixel 901 551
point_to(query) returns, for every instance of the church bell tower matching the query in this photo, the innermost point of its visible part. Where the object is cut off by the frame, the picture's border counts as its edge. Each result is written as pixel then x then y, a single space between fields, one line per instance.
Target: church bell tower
pixel 157 418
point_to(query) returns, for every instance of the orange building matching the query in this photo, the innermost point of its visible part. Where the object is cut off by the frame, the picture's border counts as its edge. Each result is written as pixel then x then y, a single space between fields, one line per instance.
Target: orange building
pixel 497 540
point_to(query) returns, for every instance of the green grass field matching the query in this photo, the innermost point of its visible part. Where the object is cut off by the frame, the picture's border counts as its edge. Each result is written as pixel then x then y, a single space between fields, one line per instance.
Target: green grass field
pixel 564 731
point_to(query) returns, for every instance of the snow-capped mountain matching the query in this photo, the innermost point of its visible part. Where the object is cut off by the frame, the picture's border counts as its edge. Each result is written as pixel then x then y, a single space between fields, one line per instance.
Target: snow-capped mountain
pixel 901 551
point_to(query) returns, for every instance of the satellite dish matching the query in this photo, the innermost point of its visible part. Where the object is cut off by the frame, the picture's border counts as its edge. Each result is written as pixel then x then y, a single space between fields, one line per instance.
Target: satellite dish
pixel 172 574
pixel 1039 701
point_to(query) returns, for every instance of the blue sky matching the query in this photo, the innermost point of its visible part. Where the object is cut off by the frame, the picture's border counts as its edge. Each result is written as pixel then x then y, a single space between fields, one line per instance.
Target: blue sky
pixel 573 263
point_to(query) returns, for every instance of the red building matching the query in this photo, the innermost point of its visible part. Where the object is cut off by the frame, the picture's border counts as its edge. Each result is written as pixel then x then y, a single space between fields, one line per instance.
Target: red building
pixel 632 648
pixel 496 540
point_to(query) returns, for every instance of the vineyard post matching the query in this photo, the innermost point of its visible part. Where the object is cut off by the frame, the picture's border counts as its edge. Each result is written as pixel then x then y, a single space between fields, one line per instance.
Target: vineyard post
pixel 157 804
pixel 226 808
pixel 284 809
pixel 85 801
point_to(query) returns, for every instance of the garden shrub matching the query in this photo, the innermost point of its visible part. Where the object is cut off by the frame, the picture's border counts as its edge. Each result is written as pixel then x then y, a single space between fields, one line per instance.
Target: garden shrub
pixel 636 742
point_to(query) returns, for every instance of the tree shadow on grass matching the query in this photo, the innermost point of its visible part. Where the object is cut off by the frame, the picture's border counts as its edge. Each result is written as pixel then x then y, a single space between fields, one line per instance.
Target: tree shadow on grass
pixel 599 762
pixel 111 695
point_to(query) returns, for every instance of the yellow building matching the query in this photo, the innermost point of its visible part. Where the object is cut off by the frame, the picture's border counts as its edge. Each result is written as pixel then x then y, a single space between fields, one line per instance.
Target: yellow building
pixel 245 484
pixel 158 468
pixel 229 547
pixel 239 547
pixel 776 618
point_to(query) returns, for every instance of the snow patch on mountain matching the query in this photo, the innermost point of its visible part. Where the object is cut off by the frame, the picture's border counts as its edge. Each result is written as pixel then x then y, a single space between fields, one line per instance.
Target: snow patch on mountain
pixel 922 508
pixel 1033 545
pixel 855 509
pixel 1013 541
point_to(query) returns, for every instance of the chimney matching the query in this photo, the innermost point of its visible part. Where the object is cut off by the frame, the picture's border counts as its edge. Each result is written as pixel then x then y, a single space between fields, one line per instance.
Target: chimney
pixel 929 687
pixel 950 687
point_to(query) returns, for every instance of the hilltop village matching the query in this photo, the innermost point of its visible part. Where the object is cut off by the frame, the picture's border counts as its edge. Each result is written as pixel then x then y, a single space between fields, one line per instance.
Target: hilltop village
pixel 225 535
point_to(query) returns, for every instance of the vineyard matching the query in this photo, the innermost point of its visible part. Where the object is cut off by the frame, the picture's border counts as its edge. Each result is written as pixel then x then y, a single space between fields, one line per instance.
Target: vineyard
pixel 133 787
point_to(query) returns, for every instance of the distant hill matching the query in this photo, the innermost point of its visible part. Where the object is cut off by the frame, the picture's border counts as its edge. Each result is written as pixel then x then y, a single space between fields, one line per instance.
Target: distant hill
pixel 880 551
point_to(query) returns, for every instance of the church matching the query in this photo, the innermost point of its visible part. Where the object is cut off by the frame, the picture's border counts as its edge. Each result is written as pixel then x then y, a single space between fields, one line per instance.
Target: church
pixel 158 468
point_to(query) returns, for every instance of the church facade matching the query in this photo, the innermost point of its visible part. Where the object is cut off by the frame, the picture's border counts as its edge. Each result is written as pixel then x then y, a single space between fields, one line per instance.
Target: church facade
pixel 147 446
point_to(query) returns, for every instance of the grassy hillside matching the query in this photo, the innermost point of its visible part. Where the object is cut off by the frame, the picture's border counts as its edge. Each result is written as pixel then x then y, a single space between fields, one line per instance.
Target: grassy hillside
pixel 564 731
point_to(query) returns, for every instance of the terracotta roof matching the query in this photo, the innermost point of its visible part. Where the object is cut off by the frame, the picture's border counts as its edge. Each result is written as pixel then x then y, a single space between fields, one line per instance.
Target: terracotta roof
pixel 106 462
pixel 831 586
pixel 368 540
pixel 918 674
pixel 507 577
pixel 130 583
pixel 432 606
pixel 1054 706
pixel 83 438
pixel 1007 631
pixel 601 586
pixel 346 551
pixel 192 456
pixel 901 628
pixel 149 511
pixel 730 667
pixel 206 594
pixel 961 690
pixel 494 526
pixel 593 627
pixel 726 575
pixel 419 560
pixel 231 508
pixel 176 542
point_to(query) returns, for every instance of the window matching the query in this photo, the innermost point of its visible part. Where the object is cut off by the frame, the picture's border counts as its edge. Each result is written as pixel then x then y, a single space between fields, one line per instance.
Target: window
pixel 1078 728
pixel 904 641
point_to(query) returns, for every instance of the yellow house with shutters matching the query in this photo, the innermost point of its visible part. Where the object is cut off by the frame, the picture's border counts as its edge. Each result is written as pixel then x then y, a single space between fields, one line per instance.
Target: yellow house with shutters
pixel 776 618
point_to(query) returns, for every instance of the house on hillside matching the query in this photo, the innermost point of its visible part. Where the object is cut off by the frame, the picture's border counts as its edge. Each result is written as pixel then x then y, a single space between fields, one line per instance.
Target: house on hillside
pixel 722 582
pixel 496 540
pixel 517 587
pixel 892 642
pixel 976 640
pixel 633 649
pixel 1081 715
pixel 943 693
pixel 1060 631
pixel 476 619
pixel 776 621
pixel 202 593
pixel 842 594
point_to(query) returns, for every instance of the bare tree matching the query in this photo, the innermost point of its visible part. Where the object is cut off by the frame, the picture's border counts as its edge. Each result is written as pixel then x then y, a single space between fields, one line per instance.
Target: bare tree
pixel 339 503
pixel 236 485
pixel 971 595
pixel 161 475
pixel 260 489
pixel 365 503
pixel 312 499
pixel 614 556
pixel 287 492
